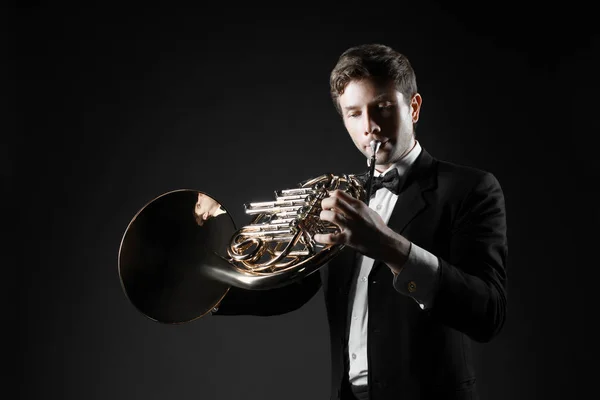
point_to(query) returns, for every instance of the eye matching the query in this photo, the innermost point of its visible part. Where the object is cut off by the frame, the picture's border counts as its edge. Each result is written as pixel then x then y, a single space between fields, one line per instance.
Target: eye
pixel 353 114
pixel 386 105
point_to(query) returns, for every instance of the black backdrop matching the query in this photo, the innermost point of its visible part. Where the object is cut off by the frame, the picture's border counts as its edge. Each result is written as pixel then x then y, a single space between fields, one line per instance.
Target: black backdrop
pixel 116 105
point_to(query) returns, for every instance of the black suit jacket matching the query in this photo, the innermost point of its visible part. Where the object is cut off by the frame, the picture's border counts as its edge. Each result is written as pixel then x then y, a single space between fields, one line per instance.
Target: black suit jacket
pixel 458 214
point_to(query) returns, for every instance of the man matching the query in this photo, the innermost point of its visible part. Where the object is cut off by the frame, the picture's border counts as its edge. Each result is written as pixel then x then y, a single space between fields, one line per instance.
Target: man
pixel 423 272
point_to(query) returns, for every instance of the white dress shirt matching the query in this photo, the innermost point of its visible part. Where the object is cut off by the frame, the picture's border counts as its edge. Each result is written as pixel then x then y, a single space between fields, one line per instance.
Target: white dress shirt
pixel 420 267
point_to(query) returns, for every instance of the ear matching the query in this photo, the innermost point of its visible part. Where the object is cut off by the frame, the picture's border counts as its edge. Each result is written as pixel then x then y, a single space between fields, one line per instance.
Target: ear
pixel 415 107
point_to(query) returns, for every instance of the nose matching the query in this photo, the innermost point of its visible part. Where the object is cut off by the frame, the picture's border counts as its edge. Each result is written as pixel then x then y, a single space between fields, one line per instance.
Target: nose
pixel 371 127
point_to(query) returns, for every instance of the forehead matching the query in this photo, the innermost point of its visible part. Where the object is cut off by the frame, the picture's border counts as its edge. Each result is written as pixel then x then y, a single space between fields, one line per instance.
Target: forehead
pixel 366 91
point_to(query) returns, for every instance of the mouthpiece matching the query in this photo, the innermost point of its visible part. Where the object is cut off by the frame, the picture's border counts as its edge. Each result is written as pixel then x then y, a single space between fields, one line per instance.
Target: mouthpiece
pixel 375 144
pixel 371 161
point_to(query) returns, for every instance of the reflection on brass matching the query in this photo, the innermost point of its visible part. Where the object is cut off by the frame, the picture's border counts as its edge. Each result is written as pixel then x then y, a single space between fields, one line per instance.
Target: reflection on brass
pixel 206 207
pixel 181 253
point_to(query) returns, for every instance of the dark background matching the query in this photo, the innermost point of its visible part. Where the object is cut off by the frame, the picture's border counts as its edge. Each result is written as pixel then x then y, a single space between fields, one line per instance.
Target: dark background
pixel 118 104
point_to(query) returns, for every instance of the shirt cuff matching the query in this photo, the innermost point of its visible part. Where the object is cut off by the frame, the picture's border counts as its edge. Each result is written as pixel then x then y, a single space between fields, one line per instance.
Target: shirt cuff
pixel 419 277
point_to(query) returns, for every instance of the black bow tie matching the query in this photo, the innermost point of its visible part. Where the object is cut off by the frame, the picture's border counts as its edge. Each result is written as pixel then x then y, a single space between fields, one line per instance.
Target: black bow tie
pixel 391 181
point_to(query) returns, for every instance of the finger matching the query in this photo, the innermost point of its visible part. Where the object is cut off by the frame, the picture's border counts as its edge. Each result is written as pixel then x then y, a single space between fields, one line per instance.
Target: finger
pixel 352 201
pixel 336 201
pixel 330 238
pixel 334 217
pixel 341 194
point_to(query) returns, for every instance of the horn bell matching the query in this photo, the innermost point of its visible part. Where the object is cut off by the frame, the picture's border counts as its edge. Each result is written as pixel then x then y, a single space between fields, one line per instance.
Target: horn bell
pixel 164 252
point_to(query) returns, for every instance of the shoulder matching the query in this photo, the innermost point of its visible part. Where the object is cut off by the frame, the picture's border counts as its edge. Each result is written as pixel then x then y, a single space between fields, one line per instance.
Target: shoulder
pixel 464 176
pixel 465 185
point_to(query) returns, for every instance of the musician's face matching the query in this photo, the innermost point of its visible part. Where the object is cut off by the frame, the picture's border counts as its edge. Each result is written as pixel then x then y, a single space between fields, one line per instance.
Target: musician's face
pixel 373 110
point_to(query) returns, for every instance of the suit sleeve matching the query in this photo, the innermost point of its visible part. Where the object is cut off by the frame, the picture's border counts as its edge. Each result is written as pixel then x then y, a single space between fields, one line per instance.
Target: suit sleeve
pixel 422 267
pixel 471 295
pixel 269 302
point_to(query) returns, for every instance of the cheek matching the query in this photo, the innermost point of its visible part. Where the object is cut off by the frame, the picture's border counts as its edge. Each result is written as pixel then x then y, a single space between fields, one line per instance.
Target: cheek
pixel 351 128
pixel 354 134
pixel 399 123
pixel 407 123
pixel 391 126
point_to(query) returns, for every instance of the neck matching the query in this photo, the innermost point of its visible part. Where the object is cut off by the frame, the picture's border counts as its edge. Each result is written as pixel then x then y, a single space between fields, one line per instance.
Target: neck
pixel 382 167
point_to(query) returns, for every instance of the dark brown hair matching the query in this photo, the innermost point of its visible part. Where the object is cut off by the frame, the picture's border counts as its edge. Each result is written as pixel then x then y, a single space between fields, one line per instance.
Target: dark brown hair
pixel 374 61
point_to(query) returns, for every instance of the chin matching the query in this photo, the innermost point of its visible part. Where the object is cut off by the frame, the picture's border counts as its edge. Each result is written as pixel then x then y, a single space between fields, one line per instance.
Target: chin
pixel 384 161
pixel 383 156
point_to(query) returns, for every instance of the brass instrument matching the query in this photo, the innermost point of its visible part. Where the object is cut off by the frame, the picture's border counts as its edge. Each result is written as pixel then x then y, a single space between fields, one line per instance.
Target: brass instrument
pixel 176 263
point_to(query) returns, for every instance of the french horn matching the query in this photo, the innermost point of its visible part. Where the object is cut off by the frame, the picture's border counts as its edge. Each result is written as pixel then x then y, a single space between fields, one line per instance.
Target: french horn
pixel 177 262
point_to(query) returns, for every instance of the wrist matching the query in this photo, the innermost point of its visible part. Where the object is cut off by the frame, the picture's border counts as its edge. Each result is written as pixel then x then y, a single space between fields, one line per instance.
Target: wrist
pixel 395 251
